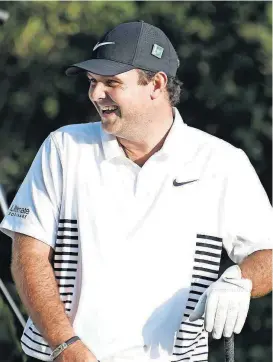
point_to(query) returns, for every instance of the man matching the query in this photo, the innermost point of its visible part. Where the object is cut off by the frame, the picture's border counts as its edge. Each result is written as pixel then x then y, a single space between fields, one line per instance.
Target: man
pixel 118 227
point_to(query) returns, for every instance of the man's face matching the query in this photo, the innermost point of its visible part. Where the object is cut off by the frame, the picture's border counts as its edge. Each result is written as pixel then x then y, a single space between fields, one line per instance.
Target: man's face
pixel 121 102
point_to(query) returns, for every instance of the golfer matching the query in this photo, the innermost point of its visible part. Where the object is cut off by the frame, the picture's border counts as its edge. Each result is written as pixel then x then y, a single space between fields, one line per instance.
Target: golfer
pixel 119 226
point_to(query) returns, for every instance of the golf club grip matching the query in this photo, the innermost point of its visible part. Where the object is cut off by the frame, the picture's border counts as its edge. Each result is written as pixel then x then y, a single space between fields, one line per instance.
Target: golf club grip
pixel 229 348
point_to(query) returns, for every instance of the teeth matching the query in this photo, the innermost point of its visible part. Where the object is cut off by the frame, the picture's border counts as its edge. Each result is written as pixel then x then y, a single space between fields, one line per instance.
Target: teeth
pixel 109 108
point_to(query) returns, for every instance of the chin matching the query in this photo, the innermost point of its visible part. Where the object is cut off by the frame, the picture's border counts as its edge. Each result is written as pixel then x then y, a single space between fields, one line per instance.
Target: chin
pixel 110 127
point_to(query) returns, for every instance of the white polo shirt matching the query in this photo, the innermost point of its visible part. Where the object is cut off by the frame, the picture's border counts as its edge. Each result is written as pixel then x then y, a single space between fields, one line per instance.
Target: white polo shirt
pixel 134 248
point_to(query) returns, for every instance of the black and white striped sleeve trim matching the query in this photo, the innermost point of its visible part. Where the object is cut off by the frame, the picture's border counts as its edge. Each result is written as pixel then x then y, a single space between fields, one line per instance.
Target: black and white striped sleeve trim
pixel 191 343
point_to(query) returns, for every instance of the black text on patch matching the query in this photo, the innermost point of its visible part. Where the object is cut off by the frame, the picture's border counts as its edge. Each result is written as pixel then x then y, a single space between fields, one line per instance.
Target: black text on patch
pixel 18 211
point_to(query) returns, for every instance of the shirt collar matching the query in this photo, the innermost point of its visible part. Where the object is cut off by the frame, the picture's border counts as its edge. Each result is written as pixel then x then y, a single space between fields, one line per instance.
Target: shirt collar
pixel 110 146
pixel 173 139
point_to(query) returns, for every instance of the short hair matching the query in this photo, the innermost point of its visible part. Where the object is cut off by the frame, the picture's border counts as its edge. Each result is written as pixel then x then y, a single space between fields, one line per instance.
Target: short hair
pixel 174 85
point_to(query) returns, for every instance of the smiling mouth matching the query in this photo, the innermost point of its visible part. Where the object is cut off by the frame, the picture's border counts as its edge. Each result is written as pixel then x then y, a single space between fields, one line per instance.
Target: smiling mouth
pixel 109 110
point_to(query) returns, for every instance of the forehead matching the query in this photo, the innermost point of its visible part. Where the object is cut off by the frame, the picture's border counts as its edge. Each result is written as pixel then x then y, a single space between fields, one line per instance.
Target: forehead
pixel 130 75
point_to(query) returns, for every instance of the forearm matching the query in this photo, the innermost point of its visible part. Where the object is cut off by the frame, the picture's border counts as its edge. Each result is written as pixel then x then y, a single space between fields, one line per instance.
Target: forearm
pixel 258 268
pixel 37 287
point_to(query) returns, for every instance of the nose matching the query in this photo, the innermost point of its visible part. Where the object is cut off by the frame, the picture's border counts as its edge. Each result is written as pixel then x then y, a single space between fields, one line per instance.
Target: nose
pixel 97 92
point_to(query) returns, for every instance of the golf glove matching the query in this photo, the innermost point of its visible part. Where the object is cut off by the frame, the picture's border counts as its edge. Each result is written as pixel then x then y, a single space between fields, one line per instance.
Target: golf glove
pixel 224 304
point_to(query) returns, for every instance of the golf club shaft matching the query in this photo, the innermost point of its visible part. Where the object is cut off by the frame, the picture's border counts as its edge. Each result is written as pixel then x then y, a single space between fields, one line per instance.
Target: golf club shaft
pixel 229 348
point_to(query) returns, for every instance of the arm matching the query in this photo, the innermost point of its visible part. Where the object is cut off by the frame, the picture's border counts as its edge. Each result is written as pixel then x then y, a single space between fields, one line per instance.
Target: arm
pixel 258 268
pixel 37 287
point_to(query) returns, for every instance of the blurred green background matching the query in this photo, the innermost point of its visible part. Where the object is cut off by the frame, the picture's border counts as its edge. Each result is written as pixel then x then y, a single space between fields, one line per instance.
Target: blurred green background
pixel 225 51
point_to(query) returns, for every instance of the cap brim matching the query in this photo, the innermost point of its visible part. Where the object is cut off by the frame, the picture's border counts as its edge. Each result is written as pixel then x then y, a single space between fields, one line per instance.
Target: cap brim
pixel 99 66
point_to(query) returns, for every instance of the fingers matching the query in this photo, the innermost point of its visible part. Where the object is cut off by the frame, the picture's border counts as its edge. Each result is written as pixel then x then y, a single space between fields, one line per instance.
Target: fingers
pixel 220 318
pixel 210 312
pixel 242 316
pixel 224 316
pixel 231 319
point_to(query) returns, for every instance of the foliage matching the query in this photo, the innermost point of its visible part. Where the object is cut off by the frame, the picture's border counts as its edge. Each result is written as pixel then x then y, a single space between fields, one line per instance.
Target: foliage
pixel 225 54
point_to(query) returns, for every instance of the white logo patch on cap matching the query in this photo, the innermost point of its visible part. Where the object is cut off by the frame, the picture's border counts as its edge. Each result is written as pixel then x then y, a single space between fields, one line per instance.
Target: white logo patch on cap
pixel 157 51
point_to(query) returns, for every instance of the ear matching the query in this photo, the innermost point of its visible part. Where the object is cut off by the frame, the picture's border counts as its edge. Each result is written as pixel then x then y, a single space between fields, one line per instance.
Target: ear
pixel 160 81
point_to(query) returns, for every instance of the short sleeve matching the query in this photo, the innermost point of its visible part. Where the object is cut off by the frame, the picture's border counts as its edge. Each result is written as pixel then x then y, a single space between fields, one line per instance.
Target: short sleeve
pixel 35 208
pixel 247 211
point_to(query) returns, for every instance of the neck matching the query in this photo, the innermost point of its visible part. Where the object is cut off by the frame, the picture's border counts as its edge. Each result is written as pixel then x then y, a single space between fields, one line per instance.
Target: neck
pixel 141 149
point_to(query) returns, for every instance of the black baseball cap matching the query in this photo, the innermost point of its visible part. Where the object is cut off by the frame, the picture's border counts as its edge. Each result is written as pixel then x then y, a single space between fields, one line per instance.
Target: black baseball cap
pixel 129 46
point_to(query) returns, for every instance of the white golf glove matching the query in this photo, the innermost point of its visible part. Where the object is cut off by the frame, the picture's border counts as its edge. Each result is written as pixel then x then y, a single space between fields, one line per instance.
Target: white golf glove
pixel 224 304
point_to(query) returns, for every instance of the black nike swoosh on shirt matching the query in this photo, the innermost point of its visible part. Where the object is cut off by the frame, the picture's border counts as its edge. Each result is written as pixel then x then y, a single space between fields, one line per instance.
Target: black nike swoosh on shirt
pixel 175 183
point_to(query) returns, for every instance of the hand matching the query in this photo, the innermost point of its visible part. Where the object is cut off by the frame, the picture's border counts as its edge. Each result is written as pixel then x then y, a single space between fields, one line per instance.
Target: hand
pixel 225 304
pixel 77 352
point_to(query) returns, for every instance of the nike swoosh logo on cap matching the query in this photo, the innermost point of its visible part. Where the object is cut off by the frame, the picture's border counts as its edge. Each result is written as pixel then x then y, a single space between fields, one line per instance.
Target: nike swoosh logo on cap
pixel 175 183
pixel 100 44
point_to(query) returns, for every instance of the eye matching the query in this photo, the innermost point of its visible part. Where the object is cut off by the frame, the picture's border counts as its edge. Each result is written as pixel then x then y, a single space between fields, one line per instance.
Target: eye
pixel 92 81
pixel 111 82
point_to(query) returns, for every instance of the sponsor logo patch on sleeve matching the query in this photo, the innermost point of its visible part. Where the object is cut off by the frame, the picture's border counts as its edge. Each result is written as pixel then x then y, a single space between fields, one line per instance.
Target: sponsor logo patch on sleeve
pixel 18 211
